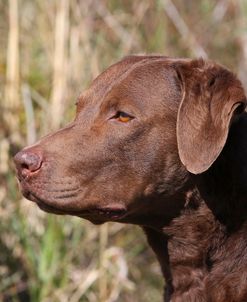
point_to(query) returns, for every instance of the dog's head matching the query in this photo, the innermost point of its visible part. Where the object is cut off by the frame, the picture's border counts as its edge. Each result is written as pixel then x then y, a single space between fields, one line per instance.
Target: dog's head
pixel 140 128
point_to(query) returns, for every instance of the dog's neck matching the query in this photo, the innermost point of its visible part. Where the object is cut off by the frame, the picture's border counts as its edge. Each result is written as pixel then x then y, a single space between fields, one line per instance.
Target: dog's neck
pixel 214 212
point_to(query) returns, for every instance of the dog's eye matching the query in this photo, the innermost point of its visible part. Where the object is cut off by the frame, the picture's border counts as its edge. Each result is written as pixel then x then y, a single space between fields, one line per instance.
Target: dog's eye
pixel 122 117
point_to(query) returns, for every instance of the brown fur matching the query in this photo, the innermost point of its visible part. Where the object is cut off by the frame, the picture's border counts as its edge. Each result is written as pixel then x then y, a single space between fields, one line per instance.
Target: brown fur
pixel 177 168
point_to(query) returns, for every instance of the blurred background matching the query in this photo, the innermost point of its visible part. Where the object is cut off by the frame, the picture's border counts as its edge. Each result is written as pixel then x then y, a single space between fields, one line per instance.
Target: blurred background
pixel 50 51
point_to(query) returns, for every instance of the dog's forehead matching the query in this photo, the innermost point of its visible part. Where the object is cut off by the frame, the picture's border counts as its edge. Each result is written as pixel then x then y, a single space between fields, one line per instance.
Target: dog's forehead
pixel 117 73
pixel 117 70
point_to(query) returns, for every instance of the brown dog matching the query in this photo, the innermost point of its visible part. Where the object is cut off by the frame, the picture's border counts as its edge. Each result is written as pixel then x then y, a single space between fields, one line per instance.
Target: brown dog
pixel 150 145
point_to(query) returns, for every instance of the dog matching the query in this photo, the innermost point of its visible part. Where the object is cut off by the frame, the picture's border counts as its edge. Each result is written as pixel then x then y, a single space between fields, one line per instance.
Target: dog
pixel 161 143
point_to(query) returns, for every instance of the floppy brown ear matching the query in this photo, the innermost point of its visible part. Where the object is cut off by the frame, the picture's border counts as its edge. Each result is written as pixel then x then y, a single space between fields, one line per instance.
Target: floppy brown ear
pixel 212 96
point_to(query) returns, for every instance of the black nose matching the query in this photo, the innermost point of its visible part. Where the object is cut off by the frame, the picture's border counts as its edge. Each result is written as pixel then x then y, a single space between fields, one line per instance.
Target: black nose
pixel 27 162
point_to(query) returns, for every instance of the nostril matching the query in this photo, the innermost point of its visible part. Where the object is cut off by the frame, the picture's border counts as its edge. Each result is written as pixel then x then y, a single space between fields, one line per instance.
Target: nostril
pixel 24 167
pixel 27 162
pixel 31 161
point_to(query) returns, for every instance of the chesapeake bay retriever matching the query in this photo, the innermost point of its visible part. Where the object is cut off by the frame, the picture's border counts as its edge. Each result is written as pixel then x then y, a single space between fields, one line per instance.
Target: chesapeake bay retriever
pixel 161 143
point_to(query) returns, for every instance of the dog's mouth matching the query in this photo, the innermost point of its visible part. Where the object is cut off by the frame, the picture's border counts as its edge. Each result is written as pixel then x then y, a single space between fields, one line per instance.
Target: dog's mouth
pixel 95 214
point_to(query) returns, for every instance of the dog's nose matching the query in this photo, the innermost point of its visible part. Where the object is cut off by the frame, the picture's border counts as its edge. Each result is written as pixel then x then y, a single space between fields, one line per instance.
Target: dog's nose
pixel 27 162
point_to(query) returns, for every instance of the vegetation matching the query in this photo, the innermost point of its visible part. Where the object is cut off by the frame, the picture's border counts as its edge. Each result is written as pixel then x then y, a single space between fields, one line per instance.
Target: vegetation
pixel 50 51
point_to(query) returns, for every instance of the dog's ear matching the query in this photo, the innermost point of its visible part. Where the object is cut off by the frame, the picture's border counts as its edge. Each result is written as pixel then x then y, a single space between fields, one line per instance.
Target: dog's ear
pixel 211 97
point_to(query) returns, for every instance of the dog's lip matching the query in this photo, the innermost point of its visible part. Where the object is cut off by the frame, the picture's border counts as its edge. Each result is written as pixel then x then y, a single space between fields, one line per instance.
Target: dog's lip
pixel 98 214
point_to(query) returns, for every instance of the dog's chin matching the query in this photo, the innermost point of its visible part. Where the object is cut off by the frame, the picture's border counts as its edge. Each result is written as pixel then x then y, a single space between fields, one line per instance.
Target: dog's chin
pixel 96 215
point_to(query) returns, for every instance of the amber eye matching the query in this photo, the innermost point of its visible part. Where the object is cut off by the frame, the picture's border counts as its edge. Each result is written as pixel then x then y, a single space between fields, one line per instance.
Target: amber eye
pixel 122 117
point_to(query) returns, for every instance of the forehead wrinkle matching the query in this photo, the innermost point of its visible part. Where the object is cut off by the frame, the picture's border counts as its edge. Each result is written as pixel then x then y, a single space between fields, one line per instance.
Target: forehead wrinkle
pixel 112 76
pixel 116 84
pixel 117 70
pixel 128 73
